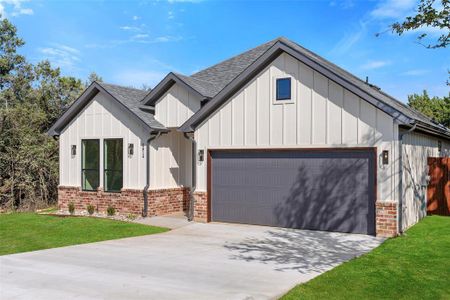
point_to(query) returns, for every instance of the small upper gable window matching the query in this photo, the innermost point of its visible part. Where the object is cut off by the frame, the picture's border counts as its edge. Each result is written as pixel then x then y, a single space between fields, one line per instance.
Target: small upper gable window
pixel 283 89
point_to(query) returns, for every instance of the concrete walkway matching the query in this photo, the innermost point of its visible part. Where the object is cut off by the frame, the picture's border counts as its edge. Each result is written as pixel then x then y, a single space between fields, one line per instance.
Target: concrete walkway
pixel 172 221
pixel 197 261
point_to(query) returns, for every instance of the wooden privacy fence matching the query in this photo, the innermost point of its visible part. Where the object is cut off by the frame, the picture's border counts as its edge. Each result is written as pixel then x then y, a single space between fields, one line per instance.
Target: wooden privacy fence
pixel 438 192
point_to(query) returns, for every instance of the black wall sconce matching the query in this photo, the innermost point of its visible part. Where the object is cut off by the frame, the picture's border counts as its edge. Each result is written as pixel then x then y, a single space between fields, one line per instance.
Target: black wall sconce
pixel 73 150
pixel 385 157
pixel 439 146
pixel 130 149
pixel 201 155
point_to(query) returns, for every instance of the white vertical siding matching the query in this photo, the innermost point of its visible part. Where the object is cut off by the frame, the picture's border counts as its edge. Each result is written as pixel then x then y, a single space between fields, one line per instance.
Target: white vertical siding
pixel 101 119
pixel 416 149
pixel 176 106
pixel 170 161
pixel 324 114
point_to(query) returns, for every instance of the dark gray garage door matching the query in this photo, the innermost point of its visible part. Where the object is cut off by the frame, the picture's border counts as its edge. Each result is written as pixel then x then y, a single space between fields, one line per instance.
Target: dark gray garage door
pixel 332 190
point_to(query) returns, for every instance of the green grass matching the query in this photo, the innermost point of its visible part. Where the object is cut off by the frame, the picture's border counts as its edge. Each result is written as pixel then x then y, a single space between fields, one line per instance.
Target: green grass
pixel 21 232
pixel 414 266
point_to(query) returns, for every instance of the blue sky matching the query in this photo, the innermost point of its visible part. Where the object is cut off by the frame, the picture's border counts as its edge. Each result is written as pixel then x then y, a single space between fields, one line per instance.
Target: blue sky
pixel 138 42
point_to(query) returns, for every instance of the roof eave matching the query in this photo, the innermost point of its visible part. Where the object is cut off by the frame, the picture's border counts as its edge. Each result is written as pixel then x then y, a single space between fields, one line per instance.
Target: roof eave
pixel 82 101
pixel 164 85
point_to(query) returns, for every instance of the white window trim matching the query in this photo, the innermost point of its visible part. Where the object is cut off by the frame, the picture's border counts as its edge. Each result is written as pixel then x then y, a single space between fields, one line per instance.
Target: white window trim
pixel 274 90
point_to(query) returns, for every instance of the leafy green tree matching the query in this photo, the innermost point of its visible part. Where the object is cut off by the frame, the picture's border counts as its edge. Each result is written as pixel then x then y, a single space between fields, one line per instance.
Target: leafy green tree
pixel 33 96
pixel 93 77
pixel 436 108
pixel 10 60
pixel 430 13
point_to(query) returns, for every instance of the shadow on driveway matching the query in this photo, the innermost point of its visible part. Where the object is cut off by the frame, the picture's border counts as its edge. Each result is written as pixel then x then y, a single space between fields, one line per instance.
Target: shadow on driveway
pixel 302 250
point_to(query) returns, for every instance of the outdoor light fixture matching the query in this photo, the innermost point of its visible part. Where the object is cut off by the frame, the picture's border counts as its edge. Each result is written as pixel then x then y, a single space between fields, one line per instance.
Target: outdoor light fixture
pixel 130 149
pixel 201 155
pixel 385 157
pixel 439 146
pixel 73 150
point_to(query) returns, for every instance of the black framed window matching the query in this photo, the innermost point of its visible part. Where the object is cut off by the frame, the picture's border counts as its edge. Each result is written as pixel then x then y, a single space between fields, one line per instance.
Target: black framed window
pixel 113 164
pixel 90 165
pixel 283 89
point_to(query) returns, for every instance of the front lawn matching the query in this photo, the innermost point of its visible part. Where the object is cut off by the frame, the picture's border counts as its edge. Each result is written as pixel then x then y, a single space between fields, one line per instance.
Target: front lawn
pixel 414 266
pixel 20 232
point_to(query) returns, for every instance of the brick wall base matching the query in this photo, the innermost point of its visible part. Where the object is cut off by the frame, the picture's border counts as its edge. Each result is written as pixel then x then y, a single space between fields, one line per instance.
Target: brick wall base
pixel 386 218
pixel 166 201
pixel 128 201
pixel 200 207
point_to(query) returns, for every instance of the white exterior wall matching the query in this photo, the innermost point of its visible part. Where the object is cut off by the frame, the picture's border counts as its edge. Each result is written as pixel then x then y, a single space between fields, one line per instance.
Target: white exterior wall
pixel 170 160
pixel 176 106
pixel 417 148
pixel 100 119
pixel 323 114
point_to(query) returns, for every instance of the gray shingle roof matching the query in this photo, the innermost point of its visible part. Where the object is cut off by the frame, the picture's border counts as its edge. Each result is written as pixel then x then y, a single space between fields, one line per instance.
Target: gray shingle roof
pixel 206 88
pixel 131 98
pixel 223 73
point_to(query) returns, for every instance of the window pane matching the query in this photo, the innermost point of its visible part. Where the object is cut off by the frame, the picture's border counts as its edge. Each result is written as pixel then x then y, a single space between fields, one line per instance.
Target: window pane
pixel 90 164
pixel 113 180
pixel 90 154
pixel 283 88
pixel 90 179
pixel 113 164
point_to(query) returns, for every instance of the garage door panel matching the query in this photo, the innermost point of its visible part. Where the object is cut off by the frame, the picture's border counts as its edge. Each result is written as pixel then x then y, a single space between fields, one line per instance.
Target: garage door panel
pixel 310 190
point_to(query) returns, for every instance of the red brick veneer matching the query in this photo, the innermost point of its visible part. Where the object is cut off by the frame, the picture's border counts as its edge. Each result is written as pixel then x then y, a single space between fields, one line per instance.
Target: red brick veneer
pixel 166 201
pixel 128 201
pixel 200 207
pixel 386 218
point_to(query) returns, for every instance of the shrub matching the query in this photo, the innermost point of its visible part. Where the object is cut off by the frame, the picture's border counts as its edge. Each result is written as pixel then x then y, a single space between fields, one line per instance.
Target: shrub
pixel 90 209
pixel 71 208
pixel 111 211
pixel 131 217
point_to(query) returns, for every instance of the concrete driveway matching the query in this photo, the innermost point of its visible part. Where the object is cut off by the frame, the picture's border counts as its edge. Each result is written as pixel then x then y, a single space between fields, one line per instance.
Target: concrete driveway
pixel 198 261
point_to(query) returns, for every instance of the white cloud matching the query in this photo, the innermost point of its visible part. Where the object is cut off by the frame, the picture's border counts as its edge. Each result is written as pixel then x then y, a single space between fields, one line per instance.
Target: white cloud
pixel 166 38
pixel 139 36
pixel 185 1
pixel 61 55
pixel 138 78
pixel 130 28
pixel 135 18
pixel 431 31
pixel 415 72
pixel 14 7
pixel 375 64
pixel 344 4
pixel 170 15
pixel 393 9
pixel 349 40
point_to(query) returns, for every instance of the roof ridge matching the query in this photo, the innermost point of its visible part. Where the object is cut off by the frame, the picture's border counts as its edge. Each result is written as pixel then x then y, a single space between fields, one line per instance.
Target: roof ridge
pixel 119 86
pixel 235 56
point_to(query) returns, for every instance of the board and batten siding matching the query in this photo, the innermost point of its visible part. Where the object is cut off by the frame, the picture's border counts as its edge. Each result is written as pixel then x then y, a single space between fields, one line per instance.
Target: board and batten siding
pixel 101 119
pixel 170 161
pixel 417 148
pixel 324 114
pixel 176 106
pixel 170 154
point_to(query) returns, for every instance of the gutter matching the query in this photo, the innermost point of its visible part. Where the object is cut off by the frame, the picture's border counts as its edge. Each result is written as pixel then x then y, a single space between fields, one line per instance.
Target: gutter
pixel 147 175
pixel 193 177
pixel 400 200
